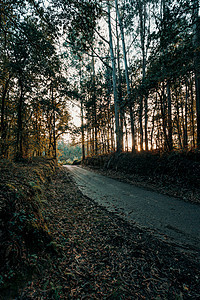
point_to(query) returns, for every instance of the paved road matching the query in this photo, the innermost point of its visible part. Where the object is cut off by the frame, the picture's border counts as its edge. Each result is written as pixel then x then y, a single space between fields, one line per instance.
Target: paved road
pixel 165 216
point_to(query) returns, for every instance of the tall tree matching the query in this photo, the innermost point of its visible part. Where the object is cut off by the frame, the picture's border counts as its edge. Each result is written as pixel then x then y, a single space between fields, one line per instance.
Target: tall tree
pixel 196 39
pixel 116 100
pixel 126 74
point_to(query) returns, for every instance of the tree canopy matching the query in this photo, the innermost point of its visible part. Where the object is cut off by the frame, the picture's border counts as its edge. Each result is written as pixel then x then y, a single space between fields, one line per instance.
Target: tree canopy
pixel 130 66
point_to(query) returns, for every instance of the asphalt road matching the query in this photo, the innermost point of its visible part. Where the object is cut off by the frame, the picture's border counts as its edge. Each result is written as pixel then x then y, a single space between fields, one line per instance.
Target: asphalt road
pixel 167 217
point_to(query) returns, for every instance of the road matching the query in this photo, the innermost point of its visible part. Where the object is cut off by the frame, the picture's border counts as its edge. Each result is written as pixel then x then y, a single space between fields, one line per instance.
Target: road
pixel 167 217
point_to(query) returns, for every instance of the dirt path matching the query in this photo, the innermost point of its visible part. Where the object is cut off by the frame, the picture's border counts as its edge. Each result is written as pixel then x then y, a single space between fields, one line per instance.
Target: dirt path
pixel 166 216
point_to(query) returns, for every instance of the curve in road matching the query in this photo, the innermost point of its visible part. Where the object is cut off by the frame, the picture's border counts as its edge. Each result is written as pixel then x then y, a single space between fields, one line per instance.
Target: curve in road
pixel 167 216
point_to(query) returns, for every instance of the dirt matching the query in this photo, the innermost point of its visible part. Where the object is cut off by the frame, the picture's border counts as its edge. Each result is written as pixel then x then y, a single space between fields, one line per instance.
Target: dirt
pixel 100 256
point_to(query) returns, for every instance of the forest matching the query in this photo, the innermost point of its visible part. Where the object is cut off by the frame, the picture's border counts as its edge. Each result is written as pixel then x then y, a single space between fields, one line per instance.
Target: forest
pixel 131 67
pixel 112 85
pixel 68 153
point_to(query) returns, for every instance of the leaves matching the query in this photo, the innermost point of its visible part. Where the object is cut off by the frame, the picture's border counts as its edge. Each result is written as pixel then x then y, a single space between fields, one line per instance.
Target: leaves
pixel 99 256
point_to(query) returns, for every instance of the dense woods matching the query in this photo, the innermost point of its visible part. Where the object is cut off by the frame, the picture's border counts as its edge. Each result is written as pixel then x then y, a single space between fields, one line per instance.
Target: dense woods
pixel 147 88
pixel 129 72
pixel 132 67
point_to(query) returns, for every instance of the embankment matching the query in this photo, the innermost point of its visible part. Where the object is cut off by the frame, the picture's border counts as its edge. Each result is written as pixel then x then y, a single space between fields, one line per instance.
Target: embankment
pixel 23 228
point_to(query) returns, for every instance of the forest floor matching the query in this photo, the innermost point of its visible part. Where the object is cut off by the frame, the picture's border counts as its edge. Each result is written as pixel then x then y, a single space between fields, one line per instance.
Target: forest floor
pixel 97 255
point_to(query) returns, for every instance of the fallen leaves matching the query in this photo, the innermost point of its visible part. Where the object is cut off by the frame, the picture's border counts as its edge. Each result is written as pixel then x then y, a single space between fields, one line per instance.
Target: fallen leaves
pixel 100 256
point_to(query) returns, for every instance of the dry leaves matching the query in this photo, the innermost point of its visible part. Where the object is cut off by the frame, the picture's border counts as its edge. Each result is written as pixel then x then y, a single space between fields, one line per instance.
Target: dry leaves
pixel 99 256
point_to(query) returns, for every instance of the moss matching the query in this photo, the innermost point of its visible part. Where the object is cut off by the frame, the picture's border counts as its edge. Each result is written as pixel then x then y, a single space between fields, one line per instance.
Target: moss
pixel 23 228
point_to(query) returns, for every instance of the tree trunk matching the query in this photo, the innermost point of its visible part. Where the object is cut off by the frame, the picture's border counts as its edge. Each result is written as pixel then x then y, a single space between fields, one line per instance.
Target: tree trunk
pixel 153 122
pixel 19 153
pixel 82 125
pixel 185 124
pixel 192 113
pixel 140 122
pixel 112 135
pixel 54 123
pixel 120 90
pixel 94 107
pixel 88 152
pixel 164 120
pixel 126 75
pixel 169 102
pixel 197 65
pixel 116 101
pixel 82 132
pixel 143 97
pixel 3 126
pixel 178 123
pixel 146 122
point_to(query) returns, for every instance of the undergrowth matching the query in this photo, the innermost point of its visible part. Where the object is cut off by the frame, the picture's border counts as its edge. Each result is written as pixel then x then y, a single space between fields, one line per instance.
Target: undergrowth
pixel 23 228
pixel 176 173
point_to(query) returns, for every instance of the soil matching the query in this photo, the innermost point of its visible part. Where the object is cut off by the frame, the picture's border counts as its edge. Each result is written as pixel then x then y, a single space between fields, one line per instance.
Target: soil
pixel 97 255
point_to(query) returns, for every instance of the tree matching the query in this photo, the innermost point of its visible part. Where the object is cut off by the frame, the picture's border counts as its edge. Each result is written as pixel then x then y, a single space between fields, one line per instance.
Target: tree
pixel 196 39
pixel 29 57
pixel 116 100
pixel 126 74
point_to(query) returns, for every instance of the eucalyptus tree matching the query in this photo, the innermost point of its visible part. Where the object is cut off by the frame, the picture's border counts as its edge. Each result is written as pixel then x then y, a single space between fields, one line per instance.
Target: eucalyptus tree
pixel 173 56
pixel 126 73
pixel 114 77
pixel 196 40
pixel 138 19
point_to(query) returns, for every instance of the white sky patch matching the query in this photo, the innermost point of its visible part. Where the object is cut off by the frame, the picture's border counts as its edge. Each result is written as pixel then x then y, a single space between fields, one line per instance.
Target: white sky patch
pixel 75 114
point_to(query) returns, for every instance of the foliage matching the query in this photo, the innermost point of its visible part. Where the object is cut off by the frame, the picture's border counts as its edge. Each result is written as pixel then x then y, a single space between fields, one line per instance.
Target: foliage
pixel 159 110
pixel 68 153
pixel 33 86
pixel 23 227
pixel 157 92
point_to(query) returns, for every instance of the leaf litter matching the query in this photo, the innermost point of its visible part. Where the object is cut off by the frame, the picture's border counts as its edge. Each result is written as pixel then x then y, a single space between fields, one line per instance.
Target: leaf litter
pixel 98 255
